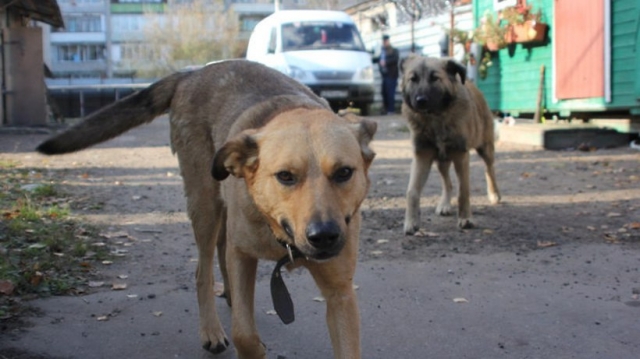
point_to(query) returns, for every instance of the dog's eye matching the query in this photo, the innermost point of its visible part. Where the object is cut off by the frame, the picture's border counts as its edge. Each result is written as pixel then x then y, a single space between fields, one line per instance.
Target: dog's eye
pixel 433 78
pixel 343 174
pixel 414 78
pixel 286 178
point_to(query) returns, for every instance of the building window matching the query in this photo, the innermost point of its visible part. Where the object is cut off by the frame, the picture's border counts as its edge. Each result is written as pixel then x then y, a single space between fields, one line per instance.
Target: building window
pixel 81 23
pixel 249 22
pixel 133 51
pixel 80 53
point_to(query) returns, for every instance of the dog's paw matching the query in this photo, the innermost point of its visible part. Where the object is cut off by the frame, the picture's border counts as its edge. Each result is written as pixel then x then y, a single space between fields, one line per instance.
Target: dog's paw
pixel 465 223
pixel 444 209
pixel 216 348
pixel 410 229
pixel 213 337
pixel 494 198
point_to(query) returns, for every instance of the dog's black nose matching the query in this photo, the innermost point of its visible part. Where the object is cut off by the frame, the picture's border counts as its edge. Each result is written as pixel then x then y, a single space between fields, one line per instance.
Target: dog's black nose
pixel 421 101
pixel 323 235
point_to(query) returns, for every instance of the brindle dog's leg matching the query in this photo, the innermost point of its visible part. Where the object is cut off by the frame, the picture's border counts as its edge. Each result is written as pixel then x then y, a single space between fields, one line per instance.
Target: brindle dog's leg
pixel 487 154
pixel 461 165
pixel 420 167
pixel 444 206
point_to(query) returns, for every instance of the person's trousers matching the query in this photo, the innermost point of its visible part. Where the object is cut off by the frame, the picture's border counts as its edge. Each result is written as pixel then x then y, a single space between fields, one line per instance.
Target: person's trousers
pixel 389 85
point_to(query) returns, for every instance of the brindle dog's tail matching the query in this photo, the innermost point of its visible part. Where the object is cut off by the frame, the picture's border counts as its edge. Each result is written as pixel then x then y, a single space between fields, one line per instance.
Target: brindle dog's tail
pixel 134 110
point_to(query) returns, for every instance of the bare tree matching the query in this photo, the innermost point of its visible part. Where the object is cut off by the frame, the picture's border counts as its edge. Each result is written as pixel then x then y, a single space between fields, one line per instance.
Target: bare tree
pixel 324 4
pixel 187 33
pixel 416 9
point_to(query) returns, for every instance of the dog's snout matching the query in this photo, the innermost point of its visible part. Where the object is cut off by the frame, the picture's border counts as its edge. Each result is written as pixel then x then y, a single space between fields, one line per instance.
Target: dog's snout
pixel 421 101
pixel 323 234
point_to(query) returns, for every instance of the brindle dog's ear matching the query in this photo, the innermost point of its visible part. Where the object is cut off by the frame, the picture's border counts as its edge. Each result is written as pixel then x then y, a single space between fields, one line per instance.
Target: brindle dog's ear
pixel 454 67
pixel 236 156
pixel 406 60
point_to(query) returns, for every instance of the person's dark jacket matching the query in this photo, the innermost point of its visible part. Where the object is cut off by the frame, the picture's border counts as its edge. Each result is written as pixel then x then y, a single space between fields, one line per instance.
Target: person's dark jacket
pixel 391 62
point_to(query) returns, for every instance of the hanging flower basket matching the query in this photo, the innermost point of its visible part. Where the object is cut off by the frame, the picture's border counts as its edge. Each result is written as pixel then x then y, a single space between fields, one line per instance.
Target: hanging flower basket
pixel 529 31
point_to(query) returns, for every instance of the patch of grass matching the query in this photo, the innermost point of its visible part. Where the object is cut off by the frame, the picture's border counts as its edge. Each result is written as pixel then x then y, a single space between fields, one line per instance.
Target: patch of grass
pixel 44 250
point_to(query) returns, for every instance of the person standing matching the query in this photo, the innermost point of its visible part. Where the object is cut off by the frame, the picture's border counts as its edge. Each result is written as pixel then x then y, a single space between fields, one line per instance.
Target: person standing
pixel 388 64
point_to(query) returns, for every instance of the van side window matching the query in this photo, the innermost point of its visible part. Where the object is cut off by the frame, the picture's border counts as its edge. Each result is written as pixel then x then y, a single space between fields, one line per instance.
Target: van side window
pixel 272 42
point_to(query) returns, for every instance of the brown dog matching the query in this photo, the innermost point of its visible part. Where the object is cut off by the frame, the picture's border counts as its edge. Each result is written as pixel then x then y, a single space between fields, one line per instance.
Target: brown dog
pixel 447 117
pixel 299 175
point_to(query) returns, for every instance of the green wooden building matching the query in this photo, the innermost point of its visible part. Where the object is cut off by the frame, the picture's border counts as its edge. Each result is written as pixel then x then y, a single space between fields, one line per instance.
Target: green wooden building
pixel 590 54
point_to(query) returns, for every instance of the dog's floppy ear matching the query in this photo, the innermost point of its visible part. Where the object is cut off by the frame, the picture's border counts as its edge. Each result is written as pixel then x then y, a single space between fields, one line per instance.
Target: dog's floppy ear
pixel 236 156
pixel 364 130
pixel 453 67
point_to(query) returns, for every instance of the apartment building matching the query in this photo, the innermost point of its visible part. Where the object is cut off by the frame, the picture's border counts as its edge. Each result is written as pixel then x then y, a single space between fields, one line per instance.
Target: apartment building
pixel 101 37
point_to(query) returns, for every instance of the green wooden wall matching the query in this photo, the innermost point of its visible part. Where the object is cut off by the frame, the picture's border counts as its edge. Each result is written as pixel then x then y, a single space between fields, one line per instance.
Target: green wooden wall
pixel 512 82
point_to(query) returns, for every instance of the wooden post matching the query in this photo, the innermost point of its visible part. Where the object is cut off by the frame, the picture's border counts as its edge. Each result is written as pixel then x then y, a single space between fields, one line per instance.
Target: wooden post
pixel 537 117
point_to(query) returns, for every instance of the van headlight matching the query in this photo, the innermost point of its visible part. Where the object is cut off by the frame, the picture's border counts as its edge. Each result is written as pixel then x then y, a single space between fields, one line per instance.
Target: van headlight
pixel 296 73
pixel 365 74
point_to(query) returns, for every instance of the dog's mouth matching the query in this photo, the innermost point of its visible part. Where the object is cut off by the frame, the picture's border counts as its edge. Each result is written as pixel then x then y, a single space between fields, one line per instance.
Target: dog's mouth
pixel 324 240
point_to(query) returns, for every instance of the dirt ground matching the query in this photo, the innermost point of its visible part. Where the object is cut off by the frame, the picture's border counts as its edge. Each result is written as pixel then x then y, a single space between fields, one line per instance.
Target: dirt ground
pixel 554 204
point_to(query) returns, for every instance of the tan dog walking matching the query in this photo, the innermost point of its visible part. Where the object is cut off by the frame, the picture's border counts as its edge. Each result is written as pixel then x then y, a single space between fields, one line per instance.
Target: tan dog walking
pixel 289 176
pixel 448 117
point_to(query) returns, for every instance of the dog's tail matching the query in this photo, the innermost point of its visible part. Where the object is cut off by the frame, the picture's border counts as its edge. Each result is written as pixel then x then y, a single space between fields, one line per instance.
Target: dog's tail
pixel 134 110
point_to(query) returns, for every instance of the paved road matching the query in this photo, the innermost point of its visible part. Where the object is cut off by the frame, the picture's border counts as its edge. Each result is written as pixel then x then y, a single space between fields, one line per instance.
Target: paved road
pixel 568 301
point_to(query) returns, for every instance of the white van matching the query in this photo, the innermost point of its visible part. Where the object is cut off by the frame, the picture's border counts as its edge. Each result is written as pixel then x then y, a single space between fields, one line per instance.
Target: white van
pixel 321 49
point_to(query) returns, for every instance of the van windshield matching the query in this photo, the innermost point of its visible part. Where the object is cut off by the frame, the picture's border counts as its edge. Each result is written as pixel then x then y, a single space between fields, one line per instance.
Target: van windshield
pixel 320 35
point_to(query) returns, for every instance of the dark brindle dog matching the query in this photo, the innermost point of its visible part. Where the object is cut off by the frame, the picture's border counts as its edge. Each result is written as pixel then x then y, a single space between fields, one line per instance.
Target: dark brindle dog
pixel 448 117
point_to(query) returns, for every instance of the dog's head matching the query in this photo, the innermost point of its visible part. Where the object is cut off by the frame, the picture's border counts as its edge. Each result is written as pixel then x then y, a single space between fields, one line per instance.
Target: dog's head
pixel 306 171
pixel 430 84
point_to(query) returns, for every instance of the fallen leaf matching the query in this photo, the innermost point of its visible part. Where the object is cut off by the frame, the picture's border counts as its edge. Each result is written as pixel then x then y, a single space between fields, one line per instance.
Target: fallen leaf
pixel 613 214
pixel 566 229
pixel 376 253
pixel 118 234
pixel 634 225
pixel 271 312
pixel 119 286
pixel 6 287
pixel 107 262
pixel 546 244
pixel 460 300
pixel 318 299
pixel 123 276
pixel 382 241
pixel 422 233
pixel 37 246
pixel 157 314
pixel 591 228
pixel 611 238
pixel 132 296
pixel 103 318
pixel 95 284
pixel 487 231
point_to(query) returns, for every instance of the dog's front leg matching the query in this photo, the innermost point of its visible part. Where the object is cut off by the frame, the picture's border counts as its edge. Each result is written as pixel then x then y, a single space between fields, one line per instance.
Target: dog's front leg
pixel 242 279
pixel 444 206
pixel 335 280
pixel 420 167
pixel 461 165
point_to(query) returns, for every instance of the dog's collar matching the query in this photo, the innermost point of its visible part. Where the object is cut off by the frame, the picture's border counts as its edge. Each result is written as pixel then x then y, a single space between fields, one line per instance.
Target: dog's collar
pixel 280 296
